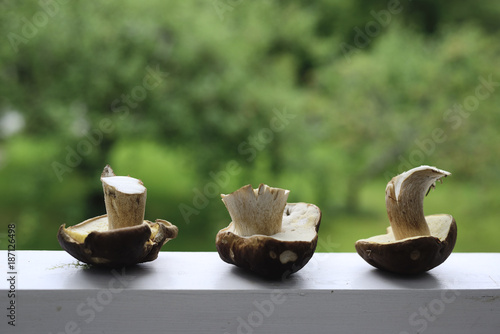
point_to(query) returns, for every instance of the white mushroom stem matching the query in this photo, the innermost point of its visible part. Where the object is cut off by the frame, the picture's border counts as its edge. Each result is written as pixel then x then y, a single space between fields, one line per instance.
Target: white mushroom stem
pixel 404 200
pixel 256 211
pixel 125 199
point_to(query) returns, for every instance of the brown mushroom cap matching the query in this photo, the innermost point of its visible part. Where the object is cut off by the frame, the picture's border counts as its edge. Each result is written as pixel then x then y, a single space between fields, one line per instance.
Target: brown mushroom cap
pixel 92 242
pixel 277 255
pixel 412 255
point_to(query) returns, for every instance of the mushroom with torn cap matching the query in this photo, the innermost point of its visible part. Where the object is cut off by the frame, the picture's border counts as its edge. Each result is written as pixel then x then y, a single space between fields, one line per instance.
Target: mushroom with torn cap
pixel 267 235
pixel 414 243
pixel 121 237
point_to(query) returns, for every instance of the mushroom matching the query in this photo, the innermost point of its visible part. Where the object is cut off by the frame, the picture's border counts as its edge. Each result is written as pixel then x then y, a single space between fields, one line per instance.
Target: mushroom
pixel 267 235
pixel 121 237
pixel 414 243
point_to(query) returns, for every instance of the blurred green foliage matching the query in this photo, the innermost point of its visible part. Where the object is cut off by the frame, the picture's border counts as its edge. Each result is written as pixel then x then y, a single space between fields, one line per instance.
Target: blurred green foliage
pixel 198 98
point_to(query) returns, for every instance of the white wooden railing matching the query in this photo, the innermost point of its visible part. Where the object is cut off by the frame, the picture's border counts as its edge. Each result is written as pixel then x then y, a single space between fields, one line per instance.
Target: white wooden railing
pixel 199 293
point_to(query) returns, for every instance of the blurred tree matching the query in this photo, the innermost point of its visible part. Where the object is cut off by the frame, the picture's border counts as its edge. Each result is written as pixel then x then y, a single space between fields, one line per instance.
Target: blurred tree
pixel 175 92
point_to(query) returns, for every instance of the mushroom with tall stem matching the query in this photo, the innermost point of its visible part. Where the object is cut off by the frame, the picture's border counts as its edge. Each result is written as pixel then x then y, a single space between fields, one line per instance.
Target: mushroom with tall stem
pixel 121 237
pixel 414 243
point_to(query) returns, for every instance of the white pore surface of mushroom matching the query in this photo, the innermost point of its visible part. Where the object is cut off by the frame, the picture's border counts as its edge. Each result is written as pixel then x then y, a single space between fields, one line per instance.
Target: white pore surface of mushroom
pixel 405 200
pixel 439 227
pixel 256 211
pixel 82 230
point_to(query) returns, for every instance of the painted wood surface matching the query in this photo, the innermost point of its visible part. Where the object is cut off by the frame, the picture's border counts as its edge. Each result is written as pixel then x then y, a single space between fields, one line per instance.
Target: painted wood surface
pixel 187 292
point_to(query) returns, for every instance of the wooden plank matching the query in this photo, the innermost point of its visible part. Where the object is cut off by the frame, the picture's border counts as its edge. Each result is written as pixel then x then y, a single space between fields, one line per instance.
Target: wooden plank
pixel 199 293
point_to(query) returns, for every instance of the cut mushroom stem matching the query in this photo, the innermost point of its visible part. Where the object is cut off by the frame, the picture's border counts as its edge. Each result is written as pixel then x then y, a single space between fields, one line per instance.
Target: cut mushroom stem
pixel 404 199
pixel 256 211
pixel 125 199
